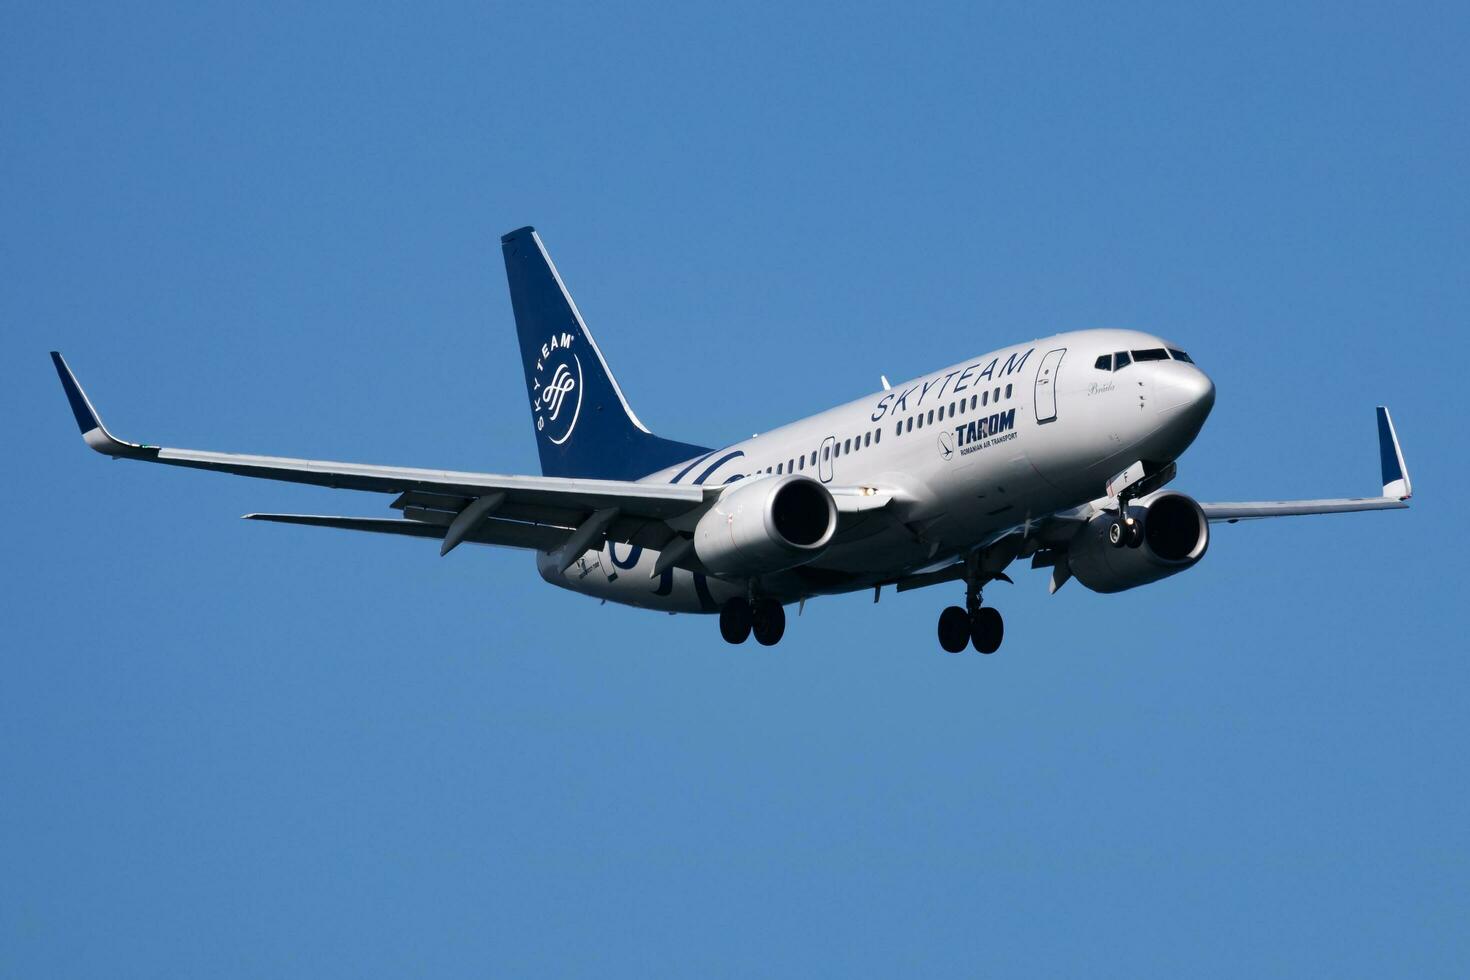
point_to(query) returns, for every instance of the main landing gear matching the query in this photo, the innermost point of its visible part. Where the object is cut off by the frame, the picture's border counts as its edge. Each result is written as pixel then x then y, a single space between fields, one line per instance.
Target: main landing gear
pixel 764 617
pixel 975 624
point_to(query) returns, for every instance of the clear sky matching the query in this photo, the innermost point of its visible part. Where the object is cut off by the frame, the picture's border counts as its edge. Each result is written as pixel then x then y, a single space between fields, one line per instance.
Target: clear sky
pixel 236 750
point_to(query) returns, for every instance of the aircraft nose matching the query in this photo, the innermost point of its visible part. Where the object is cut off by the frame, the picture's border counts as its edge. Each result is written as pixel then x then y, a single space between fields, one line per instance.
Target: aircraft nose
pixel 1185 389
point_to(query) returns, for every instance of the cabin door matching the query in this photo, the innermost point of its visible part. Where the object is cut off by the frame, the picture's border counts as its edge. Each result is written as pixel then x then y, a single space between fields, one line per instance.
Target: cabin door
pixel 1046 385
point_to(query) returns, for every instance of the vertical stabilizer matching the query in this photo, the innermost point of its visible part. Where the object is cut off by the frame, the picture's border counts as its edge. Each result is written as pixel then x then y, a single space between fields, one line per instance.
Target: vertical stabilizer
pixel 584 425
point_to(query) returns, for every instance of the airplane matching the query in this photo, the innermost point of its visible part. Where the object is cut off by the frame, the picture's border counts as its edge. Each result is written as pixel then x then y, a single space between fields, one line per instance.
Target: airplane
pixel 1057 451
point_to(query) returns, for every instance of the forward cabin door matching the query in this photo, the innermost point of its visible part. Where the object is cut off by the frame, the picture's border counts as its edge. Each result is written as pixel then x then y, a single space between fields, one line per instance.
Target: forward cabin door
pixel 1046 385
pixel 824 459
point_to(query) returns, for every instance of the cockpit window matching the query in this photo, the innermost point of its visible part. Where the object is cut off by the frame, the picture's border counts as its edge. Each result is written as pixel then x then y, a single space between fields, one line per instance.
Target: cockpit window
pixel 1179 355
pixel 1152 354
pixel 1121 360
pixel 1104 363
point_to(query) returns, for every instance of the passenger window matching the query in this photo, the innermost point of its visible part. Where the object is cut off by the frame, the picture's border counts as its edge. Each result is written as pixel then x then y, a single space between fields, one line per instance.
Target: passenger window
pixel 877 435
pixel 941 413
pixel 826 452
pixel 1152 354
pixel 814 457
pixel 1008 391
pixel 910 426
pixel 996 396
pixel 778 469
pixel 1121 360
pixel 898 429
pixel 867 438
pixel 801 462
pixel 1104 363
pixel 931 416
pixel 1179 355
pixel 984 398
pixel 791 466
pixel 847 445
pixel 921 421
pixel 973 401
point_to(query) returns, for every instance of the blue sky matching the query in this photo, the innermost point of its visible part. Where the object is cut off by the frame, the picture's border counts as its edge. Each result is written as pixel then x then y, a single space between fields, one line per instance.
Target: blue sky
pixel 235 750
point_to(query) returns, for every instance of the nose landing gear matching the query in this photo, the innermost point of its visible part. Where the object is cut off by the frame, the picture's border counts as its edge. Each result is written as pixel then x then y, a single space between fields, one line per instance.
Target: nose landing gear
pixel 977 625
pixel 1125 532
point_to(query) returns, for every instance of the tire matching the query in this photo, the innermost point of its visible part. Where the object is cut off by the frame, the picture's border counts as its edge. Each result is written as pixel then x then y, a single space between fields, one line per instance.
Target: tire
pixel 987 630
pixel 954 630
pixel 735 621
pixel 1117 533
pixel 768 621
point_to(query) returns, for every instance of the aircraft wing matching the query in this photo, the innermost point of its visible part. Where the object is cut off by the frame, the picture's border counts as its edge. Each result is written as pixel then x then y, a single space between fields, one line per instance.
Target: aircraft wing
pixel 561 508
pixel 1397 489
pixel 1046 538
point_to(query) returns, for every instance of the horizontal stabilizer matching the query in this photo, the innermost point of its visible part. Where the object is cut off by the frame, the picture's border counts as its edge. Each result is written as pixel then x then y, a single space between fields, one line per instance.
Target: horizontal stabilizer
pixel 508 534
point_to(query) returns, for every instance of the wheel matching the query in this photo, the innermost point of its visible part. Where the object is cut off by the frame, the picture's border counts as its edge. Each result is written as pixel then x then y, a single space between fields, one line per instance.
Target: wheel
pixel 735 621
pixel 1117 533
pixel 954 630
pixel 987 629
pixel 1135 533
pixel 768 620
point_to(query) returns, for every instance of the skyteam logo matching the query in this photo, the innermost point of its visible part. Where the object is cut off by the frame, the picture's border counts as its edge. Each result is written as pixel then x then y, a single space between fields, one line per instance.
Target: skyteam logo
pixel 556 389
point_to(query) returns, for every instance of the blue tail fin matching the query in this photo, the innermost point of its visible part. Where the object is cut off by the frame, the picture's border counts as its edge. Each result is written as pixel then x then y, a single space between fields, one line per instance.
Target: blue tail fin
pixel 584 425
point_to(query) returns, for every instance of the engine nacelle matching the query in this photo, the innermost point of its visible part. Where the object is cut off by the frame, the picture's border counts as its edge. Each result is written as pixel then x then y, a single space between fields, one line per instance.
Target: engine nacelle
pixel 766 525
pixel 1175 536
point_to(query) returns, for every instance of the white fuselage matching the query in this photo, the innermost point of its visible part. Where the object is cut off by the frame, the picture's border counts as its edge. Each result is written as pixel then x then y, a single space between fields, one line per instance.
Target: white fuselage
pixel 969 450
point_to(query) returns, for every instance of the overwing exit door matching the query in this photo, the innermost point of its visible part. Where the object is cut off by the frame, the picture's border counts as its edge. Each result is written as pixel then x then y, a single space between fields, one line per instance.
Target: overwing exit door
pixel 1046 385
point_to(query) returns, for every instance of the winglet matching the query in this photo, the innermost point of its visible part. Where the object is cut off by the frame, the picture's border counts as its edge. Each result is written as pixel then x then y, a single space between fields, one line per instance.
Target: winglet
pixel 93 431
pixel 1391 457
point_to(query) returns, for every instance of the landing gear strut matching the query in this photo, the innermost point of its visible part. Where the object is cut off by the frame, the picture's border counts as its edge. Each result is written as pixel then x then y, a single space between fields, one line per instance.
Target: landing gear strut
pixel 1125 530
pixel 977 625
pixel 739 618
pixel 1136 481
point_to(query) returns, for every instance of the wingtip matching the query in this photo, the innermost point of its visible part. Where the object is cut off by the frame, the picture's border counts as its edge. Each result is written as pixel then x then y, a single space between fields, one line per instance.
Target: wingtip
pixel 94 433
pixel 1395 472
pixel 81 409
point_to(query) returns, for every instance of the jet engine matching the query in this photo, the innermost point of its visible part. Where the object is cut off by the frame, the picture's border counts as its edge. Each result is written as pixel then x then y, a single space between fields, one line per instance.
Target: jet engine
pixel 766 525
pixel 1174 535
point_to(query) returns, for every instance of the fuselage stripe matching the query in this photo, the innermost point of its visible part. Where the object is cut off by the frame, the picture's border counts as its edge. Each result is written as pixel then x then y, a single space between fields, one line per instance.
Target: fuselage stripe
pixel 685 471
pixel 717 464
